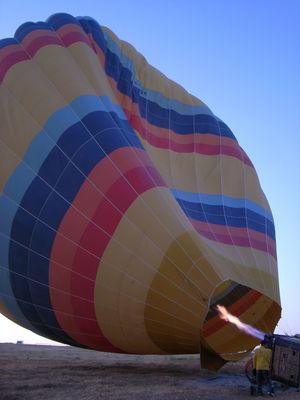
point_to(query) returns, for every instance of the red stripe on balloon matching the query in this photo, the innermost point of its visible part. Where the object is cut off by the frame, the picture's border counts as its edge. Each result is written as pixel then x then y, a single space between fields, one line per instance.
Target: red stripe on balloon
pixel 34 41
pixel 74 37
pixel 243 237
pixel 77 220
pixel 144 129
pixel 98 235
pixel 10 60
pixel 40 42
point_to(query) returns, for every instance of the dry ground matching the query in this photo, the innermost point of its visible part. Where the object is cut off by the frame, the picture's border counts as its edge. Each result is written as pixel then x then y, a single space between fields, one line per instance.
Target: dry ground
pixel 29 372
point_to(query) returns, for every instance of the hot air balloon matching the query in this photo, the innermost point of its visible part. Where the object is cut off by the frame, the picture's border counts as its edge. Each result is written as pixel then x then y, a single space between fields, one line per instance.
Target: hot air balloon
pixel 128 210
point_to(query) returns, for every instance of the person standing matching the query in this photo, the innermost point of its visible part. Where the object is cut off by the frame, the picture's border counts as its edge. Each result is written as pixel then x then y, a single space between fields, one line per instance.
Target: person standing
pixel 262 365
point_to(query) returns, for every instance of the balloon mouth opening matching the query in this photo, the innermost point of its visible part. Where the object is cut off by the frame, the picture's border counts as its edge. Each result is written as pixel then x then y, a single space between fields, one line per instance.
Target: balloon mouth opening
pixel 226 341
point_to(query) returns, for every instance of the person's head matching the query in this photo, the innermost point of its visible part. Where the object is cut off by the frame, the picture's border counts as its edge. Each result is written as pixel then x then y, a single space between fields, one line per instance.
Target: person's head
pixel 267 342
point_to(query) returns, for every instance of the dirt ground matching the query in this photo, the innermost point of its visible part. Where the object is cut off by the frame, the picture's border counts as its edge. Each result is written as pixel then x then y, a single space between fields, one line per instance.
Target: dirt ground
pixel 35 372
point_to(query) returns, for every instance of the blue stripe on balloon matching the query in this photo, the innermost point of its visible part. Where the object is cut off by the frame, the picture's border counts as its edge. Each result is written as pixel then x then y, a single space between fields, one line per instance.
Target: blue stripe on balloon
pixel 159 116
pixel 58 20
pixel 29 27
pixel 230 216
pixel 8 210
pixel 42 209
pixel 154 96
pixel 46 139
pixel 217 199
pixel 7 42
pixel 18 182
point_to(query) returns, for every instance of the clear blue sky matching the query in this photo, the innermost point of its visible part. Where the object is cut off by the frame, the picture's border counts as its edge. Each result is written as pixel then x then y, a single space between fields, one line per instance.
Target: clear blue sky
pixel 242 58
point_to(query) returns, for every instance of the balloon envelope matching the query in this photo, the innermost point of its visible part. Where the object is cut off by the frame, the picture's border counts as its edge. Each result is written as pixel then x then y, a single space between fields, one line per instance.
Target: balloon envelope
pixel 128 210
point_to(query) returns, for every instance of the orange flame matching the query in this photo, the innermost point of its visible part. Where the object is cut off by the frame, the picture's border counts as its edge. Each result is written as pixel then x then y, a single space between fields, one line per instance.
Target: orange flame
pixel 250 330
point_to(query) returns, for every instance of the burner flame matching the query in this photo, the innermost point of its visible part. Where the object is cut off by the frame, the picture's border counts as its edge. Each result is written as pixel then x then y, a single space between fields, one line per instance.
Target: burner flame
pixel 248 329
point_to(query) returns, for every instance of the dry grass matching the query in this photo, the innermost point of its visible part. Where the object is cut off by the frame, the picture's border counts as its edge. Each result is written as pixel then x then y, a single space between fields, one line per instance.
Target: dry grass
pixel 30 372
